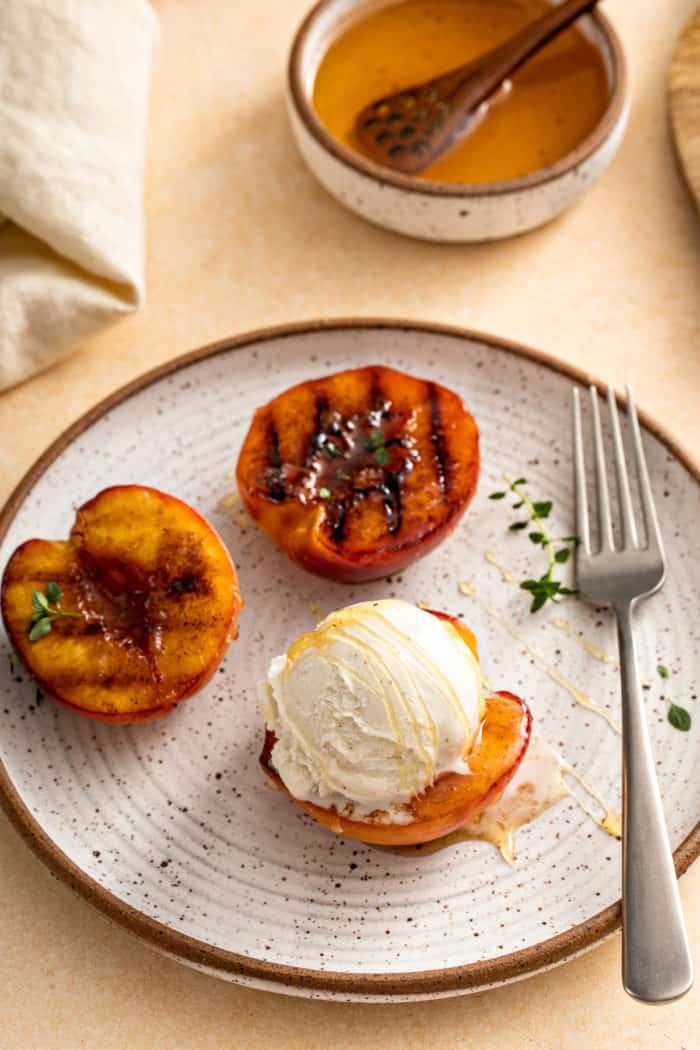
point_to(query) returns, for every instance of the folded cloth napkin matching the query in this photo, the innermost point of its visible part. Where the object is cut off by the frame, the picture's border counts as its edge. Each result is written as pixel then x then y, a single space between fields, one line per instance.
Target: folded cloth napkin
pixel 74 77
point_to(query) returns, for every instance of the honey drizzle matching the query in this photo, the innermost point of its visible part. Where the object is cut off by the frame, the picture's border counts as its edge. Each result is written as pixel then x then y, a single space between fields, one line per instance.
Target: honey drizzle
pixel 503 837
pixel 581 698
pixel 592 650
pixel 492 559
pixel 500 835
pixel 229 501
pixel 563 625
pixel 387 688
pixel 611 823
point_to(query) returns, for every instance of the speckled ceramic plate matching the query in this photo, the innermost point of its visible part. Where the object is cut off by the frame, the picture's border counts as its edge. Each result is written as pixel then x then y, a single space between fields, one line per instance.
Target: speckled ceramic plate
pixel 170 829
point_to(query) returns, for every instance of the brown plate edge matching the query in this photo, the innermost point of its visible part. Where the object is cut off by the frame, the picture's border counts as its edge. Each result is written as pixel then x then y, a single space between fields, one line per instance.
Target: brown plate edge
pixel 386 176
pixel 467 977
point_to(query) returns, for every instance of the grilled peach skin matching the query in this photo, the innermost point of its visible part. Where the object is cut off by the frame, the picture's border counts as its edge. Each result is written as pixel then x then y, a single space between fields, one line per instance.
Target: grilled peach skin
pixel 454 798
pixel 159 597
pixel 311 475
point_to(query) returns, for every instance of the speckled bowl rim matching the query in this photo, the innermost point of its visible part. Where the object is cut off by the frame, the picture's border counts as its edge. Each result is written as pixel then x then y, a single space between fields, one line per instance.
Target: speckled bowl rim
pixel 425 983
pixel 603 130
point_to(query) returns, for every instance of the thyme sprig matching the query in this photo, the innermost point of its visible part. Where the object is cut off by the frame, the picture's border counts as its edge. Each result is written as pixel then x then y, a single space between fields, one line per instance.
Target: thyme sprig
pixel 558 548
pixel 45 612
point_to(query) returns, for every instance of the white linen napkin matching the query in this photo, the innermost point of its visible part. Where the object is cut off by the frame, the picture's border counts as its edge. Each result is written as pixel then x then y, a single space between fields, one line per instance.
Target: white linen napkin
pixel 74 78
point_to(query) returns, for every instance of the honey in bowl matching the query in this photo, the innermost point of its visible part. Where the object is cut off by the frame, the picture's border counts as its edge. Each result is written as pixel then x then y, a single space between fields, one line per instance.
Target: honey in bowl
pixel 547 108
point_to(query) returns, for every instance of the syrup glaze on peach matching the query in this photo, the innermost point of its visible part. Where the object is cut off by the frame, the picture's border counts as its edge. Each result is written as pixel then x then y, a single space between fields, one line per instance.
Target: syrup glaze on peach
pixel 158 597
pixel 347 461
pixel 356 474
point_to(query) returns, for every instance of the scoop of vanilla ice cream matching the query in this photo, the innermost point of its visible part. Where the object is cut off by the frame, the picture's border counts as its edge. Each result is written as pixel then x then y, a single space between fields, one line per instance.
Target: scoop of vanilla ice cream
pixel 371 707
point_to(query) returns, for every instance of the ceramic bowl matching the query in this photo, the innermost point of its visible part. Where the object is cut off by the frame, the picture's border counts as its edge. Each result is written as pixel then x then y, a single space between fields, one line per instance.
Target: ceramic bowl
pixel 441 211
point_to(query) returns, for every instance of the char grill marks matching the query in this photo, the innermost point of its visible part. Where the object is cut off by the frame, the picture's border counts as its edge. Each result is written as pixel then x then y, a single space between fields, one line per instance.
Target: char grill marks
pixel 381 404
pixel 337 515
pixel 354 458
pixel 146 583
pixel 366 468
pixel 120 608
pixel 274 474
pixel 317 440
pixel 437 438
pixel 392 497
pixel 367 454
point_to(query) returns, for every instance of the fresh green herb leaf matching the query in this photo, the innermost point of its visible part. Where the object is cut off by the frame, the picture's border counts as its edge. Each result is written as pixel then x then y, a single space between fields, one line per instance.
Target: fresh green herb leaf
pixel 543 509
pixel 324 493
pixel 679 718
pixel 520 481
pixel 570 539
pixel 562 555
pixel 518 505
pixel 375 440
pixel 536 537
pixel 344 476
pixel 45 614
pixel 53 592
pixel 517 526
pixel 381 455
pixel 497 495
pixel 40 629
pixel 663 671
pixel 538 602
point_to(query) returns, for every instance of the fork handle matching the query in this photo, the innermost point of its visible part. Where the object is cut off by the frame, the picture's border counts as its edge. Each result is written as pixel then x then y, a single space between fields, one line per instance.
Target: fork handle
pixel 656 961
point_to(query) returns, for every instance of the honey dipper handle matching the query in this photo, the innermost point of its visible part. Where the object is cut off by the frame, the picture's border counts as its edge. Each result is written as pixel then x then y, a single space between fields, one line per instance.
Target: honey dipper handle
pixel 484 75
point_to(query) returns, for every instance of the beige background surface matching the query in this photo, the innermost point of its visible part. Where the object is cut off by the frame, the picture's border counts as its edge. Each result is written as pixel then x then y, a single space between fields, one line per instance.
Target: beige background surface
pixel 240 236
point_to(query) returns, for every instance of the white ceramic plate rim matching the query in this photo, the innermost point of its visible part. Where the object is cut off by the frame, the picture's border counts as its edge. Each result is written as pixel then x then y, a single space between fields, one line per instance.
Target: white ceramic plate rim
pixel 276 976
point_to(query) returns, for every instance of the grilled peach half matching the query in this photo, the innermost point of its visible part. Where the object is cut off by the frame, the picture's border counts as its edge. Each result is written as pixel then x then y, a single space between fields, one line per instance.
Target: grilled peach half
pixel 154 597
pixel 357 474
pixel 454 798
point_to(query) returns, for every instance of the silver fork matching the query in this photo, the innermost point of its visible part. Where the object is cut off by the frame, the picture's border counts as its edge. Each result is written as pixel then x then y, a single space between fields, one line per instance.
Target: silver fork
pixel 656 962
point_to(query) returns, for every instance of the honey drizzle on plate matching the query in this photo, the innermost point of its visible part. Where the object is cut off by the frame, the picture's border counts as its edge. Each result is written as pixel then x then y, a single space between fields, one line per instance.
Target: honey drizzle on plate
pixel 523 810
pixel 557 621
pixel 508 576
pixel 501 835
pixel 229 501
pixel 582 698
pixel 592 650
pixel 611 822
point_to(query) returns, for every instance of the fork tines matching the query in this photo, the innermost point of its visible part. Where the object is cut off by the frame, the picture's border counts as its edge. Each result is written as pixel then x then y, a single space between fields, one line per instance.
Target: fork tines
pixel 628 525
